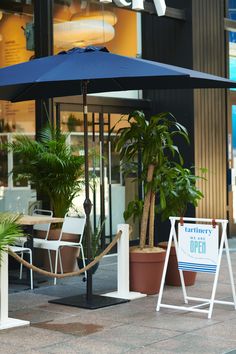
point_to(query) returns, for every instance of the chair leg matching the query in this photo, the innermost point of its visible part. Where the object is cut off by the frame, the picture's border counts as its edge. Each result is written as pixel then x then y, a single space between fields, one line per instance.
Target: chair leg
pixel 50 260
pixel 21 266
pixel 31 272
pixel 56 262
pixel 60 261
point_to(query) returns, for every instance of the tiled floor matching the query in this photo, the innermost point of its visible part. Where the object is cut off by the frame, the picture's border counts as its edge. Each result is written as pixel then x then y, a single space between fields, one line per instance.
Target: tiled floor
pixel 133 327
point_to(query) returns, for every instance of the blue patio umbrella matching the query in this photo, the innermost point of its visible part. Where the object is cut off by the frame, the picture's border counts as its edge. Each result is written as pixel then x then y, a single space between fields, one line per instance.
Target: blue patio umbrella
pixel 91 70
pixel 64 75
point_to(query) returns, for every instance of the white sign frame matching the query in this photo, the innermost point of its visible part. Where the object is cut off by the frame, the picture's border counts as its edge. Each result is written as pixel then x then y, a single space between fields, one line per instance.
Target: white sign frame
pixel 206 302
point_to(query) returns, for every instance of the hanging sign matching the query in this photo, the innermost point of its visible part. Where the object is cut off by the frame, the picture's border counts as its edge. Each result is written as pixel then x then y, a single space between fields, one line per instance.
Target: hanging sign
pixel 160 5
pixel 198 247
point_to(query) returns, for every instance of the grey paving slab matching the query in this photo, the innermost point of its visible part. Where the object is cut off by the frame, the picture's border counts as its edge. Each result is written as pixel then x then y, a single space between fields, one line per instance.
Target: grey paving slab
pixel 35 315
pixel 224 330
pixel 81 347
pixel 66 310
pixel 30 337
pixel 83 319
pixel 187 344
pixel 178 321
pixel 124 337
pixel 26 299
pixel 10 349
pixel 126 313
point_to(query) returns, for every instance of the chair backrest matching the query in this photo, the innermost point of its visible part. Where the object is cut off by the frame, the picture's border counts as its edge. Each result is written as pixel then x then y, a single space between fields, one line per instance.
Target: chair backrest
pixel 43 227
pixel 73 225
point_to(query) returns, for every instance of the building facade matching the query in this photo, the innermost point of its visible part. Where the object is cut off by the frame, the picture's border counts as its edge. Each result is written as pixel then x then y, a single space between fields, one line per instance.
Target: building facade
pixel 197 34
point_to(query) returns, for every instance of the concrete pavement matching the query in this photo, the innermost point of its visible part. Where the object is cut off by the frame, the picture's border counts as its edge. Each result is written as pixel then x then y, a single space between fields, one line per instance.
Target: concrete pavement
pixel 133 327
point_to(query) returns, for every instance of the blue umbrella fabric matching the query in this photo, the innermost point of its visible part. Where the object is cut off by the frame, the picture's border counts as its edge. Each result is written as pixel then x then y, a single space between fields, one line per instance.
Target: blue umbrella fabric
pixel 64 74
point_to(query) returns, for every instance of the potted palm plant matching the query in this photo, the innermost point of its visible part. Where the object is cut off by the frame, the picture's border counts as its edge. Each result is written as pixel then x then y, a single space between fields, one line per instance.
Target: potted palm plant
pixel 52 166
pixel 184 193
pixel 154 139
pixel 55 170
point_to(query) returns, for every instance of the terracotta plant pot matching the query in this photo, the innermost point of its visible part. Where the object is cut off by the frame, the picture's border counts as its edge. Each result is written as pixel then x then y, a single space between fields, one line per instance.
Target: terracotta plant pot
pixel 172 274
pixel 146 271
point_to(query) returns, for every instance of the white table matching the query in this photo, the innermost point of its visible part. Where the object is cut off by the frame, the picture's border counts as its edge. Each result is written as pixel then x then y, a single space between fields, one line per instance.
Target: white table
pixel 31 220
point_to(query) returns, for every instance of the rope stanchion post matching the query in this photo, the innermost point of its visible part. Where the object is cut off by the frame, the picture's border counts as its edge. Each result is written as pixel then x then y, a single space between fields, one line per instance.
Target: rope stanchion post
pixel 123 291
pixel 122 295
pixel 71 274
pixel 5 321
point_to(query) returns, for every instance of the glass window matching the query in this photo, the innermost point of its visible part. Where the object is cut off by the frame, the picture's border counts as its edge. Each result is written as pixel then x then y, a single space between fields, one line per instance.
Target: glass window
pixel 15 117
pixel 83 23
pixel 3 164
pixel 232 41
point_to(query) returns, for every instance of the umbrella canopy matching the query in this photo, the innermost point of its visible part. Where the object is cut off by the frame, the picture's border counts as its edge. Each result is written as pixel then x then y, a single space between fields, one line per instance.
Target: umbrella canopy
pixel 63 75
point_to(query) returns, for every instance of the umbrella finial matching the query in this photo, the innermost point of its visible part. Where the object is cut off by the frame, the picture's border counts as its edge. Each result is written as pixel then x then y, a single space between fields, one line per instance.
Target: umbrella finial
pixel 84 50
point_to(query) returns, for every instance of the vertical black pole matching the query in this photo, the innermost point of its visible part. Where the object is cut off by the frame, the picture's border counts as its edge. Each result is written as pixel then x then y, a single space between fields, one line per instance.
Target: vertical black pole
pixel 109 175
pixel 43 43
pixel 87 202
pixel 58 116
pixel 102 178
pixel 94 174
pixel 43 40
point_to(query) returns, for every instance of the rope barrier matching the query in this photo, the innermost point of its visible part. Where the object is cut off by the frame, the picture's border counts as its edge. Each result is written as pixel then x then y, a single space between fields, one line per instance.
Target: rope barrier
pixel 71 274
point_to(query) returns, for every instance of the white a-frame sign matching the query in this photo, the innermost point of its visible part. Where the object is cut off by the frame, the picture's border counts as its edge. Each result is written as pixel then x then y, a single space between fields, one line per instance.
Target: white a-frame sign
pixel 197 249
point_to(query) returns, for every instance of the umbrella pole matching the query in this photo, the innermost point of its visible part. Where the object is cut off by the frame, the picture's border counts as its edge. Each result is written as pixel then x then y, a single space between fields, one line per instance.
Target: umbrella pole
pixel 89 300
pixel 87 202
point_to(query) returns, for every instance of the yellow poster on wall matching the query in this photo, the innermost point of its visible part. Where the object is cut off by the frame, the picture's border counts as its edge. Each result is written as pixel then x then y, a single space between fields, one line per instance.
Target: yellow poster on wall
pixel 17 116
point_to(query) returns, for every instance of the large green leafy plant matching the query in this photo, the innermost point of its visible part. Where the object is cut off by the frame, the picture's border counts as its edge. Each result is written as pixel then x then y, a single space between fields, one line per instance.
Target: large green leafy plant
pixel 184 191
pixel 10 230
pixel 51 166
pixel 154 140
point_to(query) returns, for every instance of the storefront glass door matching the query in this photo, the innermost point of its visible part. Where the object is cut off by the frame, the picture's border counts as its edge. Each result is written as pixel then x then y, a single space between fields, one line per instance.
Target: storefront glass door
pixel 110 191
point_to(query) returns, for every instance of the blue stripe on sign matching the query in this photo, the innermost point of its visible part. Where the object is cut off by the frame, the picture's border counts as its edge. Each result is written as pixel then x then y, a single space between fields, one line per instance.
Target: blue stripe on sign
pixel 197 267
pixel 198 270
pixel 191 266
pixel 199 264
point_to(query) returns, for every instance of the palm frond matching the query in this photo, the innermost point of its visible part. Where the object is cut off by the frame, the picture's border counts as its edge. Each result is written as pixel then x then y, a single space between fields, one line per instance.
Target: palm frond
pixel 10 230
pixel 51 165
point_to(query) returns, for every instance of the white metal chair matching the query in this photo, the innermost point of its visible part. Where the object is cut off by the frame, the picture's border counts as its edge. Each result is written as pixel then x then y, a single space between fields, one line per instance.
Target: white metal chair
pixel 23 250
pixel 43 227
pixel 21 241
pixel 71 225
pixel 40 227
